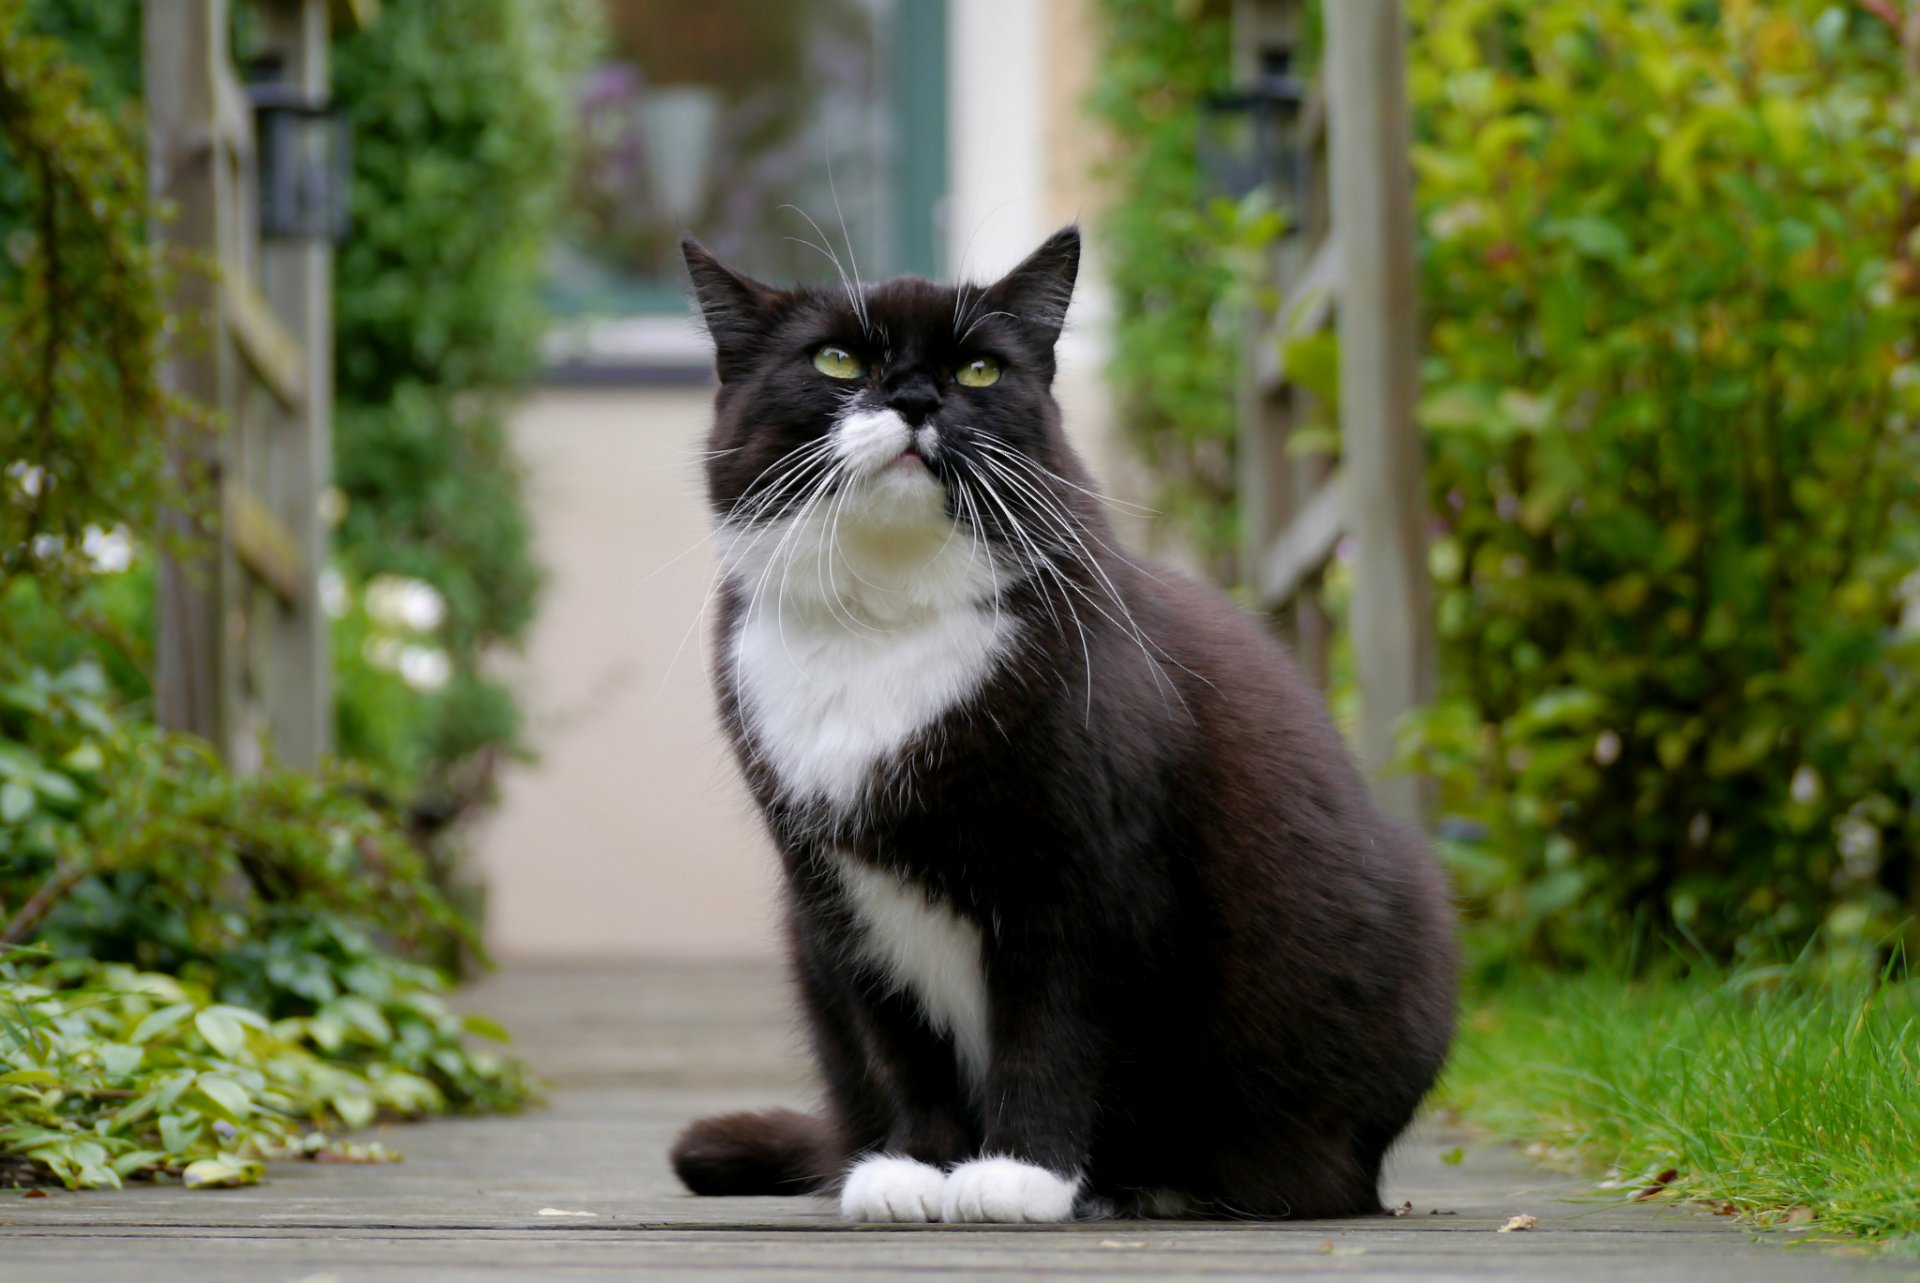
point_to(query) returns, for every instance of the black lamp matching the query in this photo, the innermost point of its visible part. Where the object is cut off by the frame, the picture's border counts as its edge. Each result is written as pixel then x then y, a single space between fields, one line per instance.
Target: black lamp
pixel 1250 136
pixel 303 163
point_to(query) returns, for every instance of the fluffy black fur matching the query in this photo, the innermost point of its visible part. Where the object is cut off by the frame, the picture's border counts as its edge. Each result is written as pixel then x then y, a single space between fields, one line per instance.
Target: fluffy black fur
pixel 1213 966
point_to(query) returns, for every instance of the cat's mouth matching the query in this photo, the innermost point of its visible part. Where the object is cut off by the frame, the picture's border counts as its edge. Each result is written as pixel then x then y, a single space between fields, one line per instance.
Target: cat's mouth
pixel 907 460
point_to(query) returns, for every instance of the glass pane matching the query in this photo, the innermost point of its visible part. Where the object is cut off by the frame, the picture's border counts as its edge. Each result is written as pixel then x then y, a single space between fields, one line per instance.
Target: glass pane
pixel 740 121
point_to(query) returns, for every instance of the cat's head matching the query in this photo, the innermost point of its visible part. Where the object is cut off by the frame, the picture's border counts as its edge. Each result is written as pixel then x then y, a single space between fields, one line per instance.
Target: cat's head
pixel 897 402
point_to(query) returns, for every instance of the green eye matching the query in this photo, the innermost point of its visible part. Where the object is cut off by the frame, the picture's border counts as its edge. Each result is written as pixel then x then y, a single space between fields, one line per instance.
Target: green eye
pixel 981 372
pixel 838 363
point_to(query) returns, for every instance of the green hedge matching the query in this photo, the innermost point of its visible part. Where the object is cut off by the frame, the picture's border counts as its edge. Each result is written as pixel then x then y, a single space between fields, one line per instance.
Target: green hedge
pixel 1670 395
pixel 461 114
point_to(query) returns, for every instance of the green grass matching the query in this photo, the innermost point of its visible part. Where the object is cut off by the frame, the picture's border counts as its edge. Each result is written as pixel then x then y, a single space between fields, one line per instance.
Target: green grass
pixel 1768 1089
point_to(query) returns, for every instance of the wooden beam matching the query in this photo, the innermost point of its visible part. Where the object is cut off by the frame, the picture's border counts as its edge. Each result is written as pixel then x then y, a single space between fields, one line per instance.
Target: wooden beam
pixel 1303 547
pixel 265 546
pixel 1372 172
pixel 274 355
pixel 1307 309
pixel 296 277
pixel 197 685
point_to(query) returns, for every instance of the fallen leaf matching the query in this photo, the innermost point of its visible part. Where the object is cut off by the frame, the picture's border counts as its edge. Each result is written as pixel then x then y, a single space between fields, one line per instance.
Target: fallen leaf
pixel 1725 1209
pixel 555 1211
pixel 1516 1223
pixel 1405 1209
pixel 1454 1157
pixel 224 1172
pixel 36 1193
pixel 1800 1216
pixel 1658 1187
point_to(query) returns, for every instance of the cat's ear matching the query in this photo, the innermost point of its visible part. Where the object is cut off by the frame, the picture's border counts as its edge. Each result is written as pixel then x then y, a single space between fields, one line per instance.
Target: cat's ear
pixel 736 308
pixel 1040 288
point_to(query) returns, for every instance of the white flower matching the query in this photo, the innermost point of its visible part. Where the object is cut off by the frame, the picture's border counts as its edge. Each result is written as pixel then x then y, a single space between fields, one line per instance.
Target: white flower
pixel 108 551
pixel 30 477
pixel 1805 788
pixel 395 601
pixel 1606 748
pixel 425 668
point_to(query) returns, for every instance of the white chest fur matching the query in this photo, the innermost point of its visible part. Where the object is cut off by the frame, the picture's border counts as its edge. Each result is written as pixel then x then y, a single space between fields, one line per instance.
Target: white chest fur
pixel 926 949
pixel 827 705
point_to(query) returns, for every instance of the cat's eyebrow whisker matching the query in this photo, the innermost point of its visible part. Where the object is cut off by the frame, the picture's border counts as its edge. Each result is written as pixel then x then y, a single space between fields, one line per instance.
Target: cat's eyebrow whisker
pixel 847 240
pixel 855 299
pixel 975 323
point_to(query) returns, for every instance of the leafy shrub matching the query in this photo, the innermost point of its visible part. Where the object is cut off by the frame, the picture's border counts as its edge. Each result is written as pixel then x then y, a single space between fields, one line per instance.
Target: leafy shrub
pixel 1669 281
pixel 195 968
pixel 273 910
pixel 1168 257
pixel 1671 398
pixel 461 115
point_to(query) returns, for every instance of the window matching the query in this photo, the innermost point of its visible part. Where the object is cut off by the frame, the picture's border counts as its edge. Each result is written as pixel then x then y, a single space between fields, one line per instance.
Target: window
pixel 771 131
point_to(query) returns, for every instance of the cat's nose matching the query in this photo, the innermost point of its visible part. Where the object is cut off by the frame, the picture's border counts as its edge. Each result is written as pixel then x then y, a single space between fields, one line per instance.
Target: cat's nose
pixel 915 400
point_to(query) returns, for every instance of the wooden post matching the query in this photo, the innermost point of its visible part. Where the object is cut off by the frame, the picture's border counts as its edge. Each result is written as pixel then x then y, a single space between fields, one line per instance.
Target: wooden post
pixel 1372 176
pixel 191 177
pixel 297 280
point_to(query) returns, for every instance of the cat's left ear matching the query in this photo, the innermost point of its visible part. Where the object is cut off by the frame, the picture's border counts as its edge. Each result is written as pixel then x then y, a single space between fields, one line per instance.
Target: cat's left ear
pixel 1040 288
pixel 736 308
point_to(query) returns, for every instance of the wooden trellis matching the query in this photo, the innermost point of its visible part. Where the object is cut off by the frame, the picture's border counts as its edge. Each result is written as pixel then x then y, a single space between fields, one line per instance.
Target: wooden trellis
pixel 242 647
pixel 1350 263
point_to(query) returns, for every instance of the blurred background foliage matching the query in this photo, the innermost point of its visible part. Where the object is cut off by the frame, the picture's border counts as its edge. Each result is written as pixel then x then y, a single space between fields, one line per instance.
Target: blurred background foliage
pixel 1670 394
pixel 198 967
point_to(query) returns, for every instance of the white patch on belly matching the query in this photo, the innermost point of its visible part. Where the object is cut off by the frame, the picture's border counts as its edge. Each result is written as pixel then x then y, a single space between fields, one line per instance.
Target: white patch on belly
pixel 926 949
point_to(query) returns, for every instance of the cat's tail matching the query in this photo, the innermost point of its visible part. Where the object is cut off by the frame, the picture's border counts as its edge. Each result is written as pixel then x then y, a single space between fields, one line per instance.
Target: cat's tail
pixel 773 1151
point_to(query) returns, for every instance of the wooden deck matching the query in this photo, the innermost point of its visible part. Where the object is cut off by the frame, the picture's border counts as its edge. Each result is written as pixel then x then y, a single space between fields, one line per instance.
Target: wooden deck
pixel 633 1051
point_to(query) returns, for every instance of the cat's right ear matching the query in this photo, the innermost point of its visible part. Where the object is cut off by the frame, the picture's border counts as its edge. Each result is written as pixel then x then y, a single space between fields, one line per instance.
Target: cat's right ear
pixel 736 308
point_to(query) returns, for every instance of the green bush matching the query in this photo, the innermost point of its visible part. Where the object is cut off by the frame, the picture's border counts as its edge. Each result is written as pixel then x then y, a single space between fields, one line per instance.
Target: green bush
pixel 461 114
pixel 196 969
pixel 1671 395
pixel 1168 258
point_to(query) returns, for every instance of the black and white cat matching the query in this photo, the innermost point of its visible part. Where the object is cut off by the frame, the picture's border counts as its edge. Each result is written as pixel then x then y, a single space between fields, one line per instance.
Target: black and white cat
pixel 1088 907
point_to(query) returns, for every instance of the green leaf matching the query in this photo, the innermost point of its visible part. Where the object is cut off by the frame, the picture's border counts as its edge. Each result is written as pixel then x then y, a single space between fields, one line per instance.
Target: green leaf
pixel 225 1172
pixel 222 1032
pixel 159 1021
pixel 229 1098
pixel 485 1027
pixel 28 1078
pixel 16 801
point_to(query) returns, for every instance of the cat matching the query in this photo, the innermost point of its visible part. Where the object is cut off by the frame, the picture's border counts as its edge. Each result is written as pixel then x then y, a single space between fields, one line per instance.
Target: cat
pixel 1088 908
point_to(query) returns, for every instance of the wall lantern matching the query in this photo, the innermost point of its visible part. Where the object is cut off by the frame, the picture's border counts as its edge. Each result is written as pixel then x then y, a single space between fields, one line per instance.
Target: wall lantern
pixel 1250 136
pixel 303 164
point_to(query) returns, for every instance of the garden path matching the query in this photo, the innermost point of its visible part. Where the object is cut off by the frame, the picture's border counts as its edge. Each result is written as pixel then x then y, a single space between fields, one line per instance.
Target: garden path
pixel 634 1050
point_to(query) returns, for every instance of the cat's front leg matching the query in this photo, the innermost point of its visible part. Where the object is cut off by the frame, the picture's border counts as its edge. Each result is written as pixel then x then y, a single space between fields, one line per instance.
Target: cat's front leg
pixel 1040 1092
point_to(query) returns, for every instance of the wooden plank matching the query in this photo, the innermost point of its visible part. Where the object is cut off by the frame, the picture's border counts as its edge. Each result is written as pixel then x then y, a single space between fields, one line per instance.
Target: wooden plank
pixel 275 356
pixel 1303 547
pixel 232 112
pixel 264 545
pixel 1372 174
pixel 1307 309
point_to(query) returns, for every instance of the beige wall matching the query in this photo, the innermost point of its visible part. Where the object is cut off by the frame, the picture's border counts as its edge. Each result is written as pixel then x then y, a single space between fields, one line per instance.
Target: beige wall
pixel 631 834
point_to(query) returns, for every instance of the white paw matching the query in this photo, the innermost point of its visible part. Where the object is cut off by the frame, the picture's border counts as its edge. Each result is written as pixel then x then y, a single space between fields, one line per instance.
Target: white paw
pixel 886 1187
pixel 1005 1189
